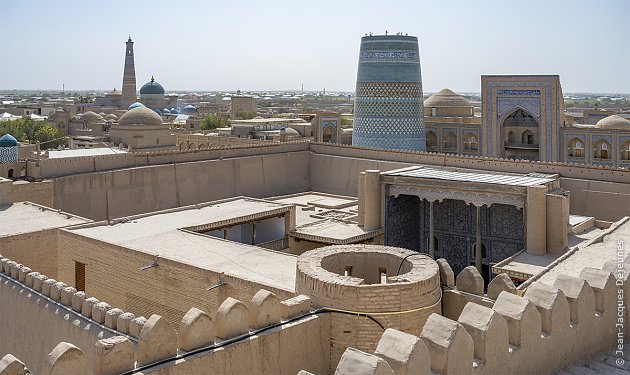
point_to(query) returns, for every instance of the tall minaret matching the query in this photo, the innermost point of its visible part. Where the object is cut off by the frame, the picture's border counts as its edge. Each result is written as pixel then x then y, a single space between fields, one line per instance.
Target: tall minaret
pixel 129 77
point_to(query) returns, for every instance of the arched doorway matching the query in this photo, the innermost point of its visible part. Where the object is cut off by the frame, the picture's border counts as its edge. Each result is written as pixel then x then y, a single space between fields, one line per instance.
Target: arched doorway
pixel 328 134
pixel 576 148
pixel 527 138
pixel 10 173
pixel 520 131
pixel 450 142
pixel 431 139
pixel 470 142
pixel 625 151
pixel 602 150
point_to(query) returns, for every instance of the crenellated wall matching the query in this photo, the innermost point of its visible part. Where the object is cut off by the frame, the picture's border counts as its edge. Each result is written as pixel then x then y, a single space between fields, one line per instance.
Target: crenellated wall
pixel 37 312
pixel 58 167
pixel 263 335
pixel 549 328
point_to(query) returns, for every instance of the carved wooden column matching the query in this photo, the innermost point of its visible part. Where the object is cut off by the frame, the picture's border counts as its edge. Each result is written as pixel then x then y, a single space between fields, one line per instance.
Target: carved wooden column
pixel 478 250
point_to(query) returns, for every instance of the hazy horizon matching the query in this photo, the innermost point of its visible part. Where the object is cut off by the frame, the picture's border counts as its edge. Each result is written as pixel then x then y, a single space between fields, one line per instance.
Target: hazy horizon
pixel 280 45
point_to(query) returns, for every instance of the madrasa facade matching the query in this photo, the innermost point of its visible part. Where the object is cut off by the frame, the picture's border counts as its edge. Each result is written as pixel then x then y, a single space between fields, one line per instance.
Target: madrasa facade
pixel 522 116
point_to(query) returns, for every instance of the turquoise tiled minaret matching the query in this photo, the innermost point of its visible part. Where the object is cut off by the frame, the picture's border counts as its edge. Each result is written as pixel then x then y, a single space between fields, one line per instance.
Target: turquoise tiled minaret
pixel 388 107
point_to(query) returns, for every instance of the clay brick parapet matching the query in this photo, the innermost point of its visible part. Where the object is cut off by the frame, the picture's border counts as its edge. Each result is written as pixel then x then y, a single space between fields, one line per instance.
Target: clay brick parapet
pixel 469 287
pixel 264 309
pixel 61 294
pixel 9 365
pixel 232 319
pixel 545 330
pixel 295 306
pixel 196 330
pixel 451 160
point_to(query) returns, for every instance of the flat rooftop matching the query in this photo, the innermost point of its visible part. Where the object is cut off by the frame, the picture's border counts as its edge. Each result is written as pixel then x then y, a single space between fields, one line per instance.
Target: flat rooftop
pixel 523 265
pixel 317 200
pixel 26 217
pixel 594 254
pixel 333 231
pixel 162 233
pixel 84 152
pixel 510 179
pixel 326 218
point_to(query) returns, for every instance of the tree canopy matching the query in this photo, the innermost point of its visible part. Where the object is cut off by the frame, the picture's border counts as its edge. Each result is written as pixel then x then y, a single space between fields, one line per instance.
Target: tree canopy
pixel 241 115
pixel 29 131
pixel 212 122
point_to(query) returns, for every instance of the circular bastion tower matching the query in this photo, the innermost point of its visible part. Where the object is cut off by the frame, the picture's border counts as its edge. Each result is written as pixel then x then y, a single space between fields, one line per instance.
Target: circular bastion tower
pixel 396 291
pixel 388 107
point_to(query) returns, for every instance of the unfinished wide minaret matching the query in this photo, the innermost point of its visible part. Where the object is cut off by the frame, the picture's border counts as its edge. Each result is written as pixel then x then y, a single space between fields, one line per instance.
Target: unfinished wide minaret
pixel 129 77
pixel 388 110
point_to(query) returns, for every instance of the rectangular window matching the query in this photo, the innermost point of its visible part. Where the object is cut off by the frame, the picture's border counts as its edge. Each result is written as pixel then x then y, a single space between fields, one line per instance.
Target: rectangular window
pixel 79 276
pixel 382 274
pixel 348 271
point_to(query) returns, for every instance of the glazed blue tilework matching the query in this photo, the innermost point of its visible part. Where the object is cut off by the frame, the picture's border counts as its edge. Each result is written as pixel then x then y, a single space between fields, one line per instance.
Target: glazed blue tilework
pixel 518 92
pixel 389 111
pixel 547 83
pixel 506 106
pixel 8 155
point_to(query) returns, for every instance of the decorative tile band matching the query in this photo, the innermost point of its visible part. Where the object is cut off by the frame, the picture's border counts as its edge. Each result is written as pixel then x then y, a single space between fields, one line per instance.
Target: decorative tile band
pixel 389 56
pixel 518 92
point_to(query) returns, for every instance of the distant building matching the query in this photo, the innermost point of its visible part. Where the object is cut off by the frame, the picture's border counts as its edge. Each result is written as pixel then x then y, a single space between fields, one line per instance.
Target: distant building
pixel 242 104
pixel 450 123
pixel 152 95
pixel 142 128
pixel 129 77
pixel 388 111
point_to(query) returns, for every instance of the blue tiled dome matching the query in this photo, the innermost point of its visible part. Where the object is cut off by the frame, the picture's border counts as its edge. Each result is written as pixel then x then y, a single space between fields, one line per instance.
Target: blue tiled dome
pixel 136 105
pixel 8 140
pixel 189 109
pixel 152 87
pixel 173 110
pixel 166 110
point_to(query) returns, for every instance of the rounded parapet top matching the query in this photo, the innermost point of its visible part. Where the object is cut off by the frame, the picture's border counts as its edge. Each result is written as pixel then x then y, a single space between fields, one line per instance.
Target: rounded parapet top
pixel 361 272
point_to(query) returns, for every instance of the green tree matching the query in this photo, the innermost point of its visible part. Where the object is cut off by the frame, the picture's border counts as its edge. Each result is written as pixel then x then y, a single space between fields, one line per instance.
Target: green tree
pixel 29 128
pixel 49 136
pixel 241 115
pixel 212 122
pixel 13 128
pixel 346 121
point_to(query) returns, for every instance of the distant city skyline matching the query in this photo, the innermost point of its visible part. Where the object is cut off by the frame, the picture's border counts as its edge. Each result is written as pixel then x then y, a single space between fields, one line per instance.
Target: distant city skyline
pixel 280 45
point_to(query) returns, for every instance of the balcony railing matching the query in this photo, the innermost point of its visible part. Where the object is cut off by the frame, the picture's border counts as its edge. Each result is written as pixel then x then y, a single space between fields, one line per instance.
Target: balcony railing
pixel 276 245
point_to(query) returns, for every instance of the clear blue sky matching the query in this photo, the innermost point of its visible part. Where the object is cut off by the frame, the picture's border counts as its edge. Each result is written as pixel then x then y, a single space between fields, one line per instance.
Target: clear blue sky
pixel 275 45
